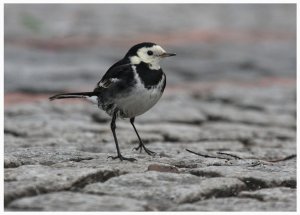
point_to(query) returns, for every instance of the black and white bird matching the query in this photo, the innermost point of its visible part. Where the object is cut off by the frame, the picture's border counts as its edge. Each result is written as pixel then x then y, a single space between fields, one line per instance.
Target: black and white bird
pixel 129 88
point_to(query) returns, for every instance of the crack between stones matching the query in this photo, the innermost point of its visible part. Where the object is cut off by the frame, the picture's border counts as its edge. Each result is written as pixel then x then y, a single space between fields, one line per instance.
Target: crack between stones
pixel 251 184
pixel 101 176
pixel 218 193
pixel 247 142
pixel 21 163
pixel 233 103
pixel 14 133
pixel 98 177
pixel 257 197
pixel 213 118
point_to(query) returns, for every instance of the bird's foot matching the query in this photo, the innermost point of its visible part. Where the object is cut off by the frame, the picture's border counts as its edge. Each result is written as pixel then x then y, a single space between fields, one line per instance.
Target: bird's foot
pixel 138 148
pixel 148 151
pixel 122 158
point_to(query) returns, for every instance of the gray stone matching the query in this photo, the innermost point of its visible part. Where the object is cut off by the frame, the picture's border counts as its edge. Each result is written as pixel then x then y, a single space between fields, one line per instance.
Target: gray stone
pixel 30 180
pixel 179 147
pixel 236 204
pixel 158 188
pixel 255 174
pixel 174 109
pixel 71 201
pixel 163 168
pixel 244 131
pixel 73 148
pixel 271 154
pixel 43 156
pixel 283 194
pixel 174 131
pixel 225 112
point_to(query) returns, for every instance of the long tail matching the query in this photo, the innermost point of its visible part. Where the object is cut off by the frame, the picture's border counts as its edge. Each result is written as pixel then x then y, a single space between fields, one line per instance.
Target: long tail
pixel 72 95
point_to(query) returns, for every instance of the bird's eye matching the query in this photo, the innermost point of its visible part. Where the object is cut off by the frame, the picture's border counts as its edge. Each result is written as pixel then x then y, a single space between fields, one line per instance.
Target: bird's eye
pixel 150 52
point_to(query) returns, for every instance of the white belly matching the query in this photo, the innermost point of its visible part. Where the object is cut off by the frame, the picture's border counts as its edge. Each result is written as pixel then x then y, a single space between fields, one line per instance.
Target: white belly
pixel 138 101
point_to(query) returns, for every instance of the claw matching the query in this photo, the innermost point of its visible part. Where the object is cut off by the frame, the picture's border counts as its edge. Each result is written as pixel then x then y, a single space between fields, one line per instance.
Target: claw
pixel 149 152
pixel 140 147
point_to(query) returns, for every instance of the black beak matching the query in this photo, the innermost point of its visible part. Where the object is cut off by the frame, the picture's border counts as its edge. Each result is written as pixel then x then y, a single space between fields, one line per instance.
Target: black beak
pixel 167 54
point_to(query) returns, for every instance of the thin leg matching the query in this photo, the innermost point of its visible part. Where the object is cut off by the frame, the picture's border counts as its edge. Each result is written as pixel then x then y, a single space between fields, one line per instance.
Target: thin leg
pixel 141 145
pixel 113 129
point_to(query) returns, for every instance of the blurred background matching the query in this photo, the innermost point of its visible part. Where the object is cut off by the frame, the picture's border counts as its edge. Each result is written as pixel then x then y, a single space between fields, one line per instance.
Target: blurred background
pixel 52 48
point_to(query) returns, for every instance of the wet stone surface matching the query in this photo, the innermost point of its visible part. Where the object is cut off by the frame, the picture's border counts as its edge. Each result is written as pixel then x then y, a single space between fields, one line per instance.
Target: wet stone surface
pixel 224 131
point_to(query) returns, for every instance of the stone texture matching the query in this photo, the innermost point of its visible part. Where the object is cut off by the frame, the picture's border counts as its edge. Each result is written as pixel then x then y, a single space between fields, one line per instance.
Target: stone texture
pixel 160 193
pixel 30 180
pixel 236 204
pixel 259 200
pixel 71 201
pixel 255 174
pixel 54 148
pixel 283 194
pixel 236 114
pixel 162 168
pixel 48 154
pixel 43 156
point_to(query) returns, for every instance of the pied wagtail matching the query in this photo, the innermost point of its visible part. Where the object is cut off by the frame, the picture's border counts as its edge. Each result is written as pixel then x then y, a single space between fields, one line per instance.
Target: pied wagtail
pixel 129 88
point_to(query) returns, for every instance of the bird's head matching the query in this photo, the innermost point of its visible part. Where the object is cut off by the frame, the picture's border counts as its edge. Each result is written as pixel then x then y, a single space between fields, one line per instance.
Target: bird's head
pixel 149 53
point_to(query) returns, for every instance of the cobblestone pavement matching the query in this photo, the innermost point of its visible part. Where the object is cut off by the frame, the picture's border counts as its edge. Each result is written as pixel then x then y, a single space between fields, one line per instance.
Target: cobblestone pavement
pixel 224 130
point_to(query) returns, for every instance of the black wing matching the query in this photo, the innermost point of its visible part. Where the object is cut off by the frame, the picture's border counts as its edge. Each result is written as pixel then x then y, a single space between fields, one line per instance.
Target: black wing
pixel 118 77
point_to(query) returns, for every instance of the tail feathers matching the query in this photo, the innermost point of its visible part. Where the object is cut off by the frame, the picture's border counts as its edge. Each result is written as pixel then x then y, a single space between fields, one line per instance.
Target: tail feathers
pixel 72 95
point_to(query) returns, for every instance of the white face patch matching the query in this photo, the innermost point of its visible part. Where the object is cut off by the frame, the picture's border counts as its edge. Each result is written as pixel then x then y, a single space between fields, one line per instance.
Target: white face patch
pixel 149 55
pixel 135 60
